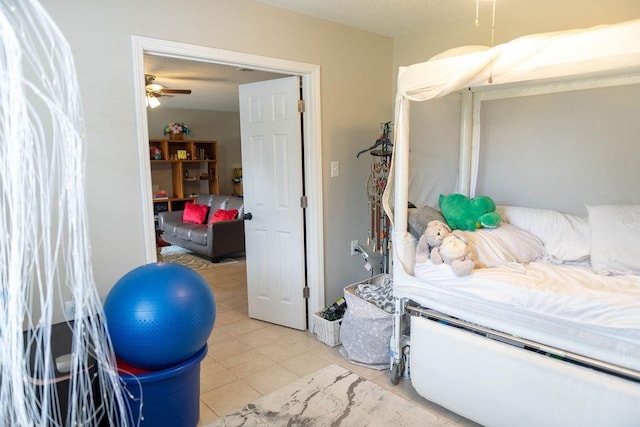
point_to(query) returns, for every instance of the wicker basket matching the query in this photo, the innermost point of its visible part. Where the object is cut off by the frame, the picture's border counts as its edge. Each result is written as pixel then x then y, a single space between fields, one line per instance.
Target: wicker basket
pixel 327 331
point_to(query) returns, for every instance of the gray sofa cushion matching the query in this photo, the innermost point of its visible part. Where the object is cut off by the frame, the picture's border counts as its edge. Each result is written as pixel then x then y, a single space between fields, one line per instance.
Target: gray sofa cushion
pixel 170 228
pixel 235 203
pixel 214 201
pixel 197 233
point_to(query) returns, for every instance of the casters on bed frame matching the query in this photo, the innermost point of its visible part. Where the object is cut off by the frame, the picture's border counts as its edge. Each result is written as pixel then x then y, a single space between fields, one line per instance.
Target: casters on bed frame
pixel 395 373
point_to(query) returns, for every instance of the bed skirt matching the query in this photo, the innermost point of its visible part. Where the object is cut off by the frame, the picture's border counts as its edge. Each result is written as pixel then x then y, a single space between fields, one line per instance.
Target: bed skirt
pixel 498 384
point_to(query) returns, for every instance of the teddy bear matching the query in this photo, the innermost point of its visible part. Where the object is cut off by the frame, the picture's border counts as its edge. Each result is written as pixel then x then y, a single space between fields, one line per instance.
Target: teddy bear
pixel 462 213
pixel 454 250
pixel 432 237
pixel 441 245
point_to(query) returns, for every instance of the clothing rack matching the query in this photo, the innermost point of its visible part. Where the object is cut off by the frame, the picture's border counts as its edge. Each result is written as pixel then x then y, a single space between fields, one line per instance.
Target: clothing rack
pixel 378 234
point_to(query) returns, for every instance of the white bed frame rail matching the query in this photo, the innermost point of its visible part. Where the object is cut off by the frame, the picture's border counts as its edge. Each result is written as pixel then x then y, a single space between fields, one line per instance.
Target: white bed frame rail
pixel 499 384
pixel 523 343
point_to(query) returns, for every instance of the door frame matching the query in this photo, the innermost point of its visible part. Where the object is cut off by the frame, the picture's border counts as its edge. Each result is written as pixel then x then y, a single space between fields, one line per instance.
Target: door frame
pixel 311 135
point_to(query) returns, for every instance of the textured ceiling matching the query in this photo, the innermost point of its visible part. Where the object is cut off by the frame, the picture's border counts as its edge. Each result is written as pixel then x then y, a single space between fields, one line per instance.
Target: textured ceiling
pixel 392 18
pixel 214 87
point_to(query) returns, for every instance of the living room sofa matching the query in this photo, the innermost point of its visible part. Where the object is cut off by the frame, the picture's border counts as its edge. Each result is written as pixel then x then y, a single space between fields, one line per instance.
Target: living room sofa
pixel 211 239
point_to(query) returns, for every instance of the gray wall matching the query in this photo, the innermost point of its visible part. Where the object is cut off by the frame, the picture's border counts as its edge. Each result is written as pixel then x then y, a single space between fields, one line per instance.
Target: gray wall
pixel 352 108
pixel 562 151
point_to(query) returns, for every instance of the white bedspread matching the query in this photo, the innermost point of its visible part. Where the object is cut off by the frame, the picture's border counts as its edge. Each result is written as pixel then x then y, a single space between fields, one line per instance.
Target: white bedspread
pixel 565 306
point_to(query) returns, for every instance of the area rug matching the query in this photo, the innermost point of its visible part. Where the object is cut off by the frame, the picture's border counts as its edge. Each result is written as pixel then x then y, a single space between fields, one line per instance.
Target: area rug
pixel 178 255
pixel 332 396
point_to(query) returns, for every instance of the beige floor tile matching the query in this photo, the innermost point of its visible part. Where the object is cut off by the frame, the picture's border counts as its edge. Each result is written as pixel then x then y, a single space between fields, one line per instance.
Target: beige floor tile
pixel 222 294
pixel 265 337
pixel 311 342
pixel 230 299
pixel 206 415
pixel 403 389
pixel 230 397
pixel 242 326
pixel 270 379
pixel 224 317
pixel 330 353
pixel 217 335
pixel 283 347
pixel 278 352
pixel 305 364
pixel 216 279
pixel 289 332
pixel 209 365
pixel 241 305
pixel 252 366
pixel 301 337
pixel 229 282
pixel 216 379
pixel 239 359
pixel 228 348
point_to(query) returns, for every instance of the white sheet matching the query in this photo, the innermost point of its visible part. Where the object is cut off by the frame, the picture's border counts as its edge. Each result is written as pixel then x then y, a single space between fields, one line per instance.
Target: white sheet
pixel 565 306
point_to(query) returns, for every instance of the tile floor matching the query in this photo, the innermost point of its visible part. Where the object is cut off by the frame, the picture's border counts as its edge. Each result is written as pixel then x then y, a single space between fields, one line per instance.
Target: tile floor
pixel 248 358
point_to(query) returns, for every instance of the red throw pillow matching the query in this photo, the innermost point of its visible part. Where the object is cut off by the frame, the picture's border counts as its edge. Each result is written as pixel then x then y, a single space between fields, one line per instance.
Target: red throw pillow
pixel 195 213
pixel 222 215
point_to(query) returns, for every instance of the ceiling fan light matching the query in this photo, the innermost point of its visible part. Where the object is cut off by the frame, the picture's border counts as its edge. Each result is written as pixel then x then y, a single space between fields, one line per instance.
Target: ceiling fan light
pixel 152 101
pixel 154 87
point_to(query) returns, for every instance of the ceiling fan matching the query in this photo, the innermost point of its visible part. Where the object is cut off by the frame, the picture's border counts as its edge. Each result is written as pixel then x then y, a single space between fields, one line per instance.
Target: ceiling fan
pixel 155 89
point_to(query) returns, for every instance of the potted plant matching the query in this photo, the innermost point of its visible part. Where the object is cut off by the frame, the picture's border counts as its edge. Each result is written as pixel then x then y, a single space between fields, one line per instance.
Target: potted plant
pixel 176 130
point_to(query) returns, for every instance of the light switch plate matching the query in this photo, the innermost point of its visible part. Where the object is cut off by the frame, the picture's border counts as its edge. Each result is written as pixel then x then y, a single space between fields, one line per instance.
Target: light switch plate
pixel 335 169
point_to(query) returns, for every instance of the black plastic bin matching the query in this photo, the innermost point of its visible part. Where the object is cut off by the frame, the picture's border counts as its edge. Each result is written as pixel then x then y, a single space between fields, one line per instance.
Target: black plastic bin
pixel 61 344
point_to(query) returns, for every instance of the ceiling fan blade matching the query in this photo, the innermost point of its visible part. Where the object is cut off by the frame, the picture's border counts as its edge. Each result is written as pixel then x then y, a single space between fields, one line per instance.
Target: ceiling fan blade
pixel 175 91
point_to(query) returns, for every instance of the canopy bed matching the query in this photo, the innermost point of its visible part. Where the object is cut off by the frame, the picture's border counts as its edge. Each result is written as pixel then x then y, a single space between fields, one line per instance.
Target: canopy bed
pixel 544 338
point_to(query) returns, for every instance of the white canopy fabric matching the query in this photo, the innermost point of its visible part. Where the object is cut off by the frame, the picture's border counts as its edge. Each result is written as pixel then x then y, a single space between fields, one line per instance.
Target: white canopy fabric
pixel 550 55
pixel 562 55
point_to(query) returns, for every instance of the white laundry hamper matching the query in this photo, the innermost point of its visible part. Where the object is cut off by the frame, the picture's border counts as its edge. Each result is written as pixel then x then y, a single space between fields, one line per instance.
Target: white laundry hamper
pixel 366 329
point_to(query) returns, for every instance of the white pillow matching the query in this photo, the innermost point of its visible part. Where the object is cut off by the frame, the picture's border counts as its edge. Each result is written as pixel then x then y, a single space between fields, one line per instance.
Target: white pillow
pixel 565 237
pixel 507 243
pixel 615 238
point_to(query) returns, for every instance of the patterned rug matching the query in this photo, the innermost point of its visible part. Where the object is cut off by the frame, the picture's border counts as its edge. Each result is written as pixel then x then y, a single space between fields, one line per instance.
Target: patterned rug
pixel 331 396
pixel 178 255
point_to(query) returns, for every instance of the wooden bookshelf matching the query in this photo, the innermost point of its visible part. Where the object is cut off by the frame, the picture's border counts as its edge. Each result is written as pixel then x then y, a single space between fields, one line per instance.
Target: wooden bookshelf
pixel 189 167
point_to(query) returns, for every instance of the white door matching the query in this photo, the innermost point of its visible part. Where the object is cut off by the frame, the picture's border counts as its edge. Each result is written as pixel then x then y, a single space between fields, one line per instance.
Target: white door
pixel 270 131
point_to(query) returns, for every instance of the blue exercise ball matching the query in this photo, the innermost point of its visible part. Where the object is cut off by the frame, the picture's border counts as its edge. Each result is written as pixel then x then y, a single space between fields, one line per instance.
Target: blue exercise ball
pixel 159 314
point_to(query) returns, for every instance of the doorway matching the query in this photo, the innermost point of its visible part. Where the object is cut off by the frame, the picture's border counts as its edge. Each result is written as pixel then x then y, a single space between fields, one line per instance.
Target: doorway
pixel 312 166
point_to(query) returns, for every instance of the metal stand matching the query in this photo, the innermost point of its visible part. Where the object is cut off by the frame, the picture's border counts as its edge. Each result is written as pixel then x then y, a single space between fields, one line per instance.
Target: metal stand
pixel 379 232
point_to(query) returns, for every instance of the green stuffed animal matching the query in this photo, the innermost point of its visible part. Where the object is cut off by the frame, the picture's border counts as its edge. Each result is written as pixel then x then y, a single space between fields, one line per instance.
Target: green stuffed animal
pixel 462 213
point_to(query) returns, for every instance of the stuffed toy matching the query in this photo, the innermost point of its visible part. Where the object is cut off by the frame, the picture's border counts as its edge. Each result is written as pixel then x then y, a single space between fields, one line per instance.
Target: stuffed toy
pixel 462 213
pixel 432 237
pixel 454 250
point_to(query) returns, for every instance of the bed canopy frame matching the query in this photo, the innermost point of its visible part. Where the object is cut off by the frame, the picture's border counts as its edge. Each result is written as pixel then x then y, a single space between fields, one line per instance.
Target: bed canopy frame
pixel 601 56
pixel 598 57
